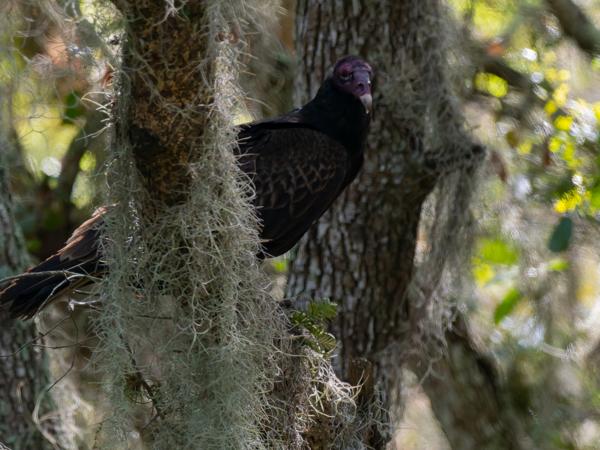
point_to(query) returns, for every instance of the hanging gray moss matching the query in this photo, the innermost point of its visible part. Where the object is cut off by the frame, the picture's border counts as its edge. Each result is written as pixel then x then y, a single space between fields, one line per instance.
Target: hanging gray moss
pixel 190 349
pixel 194 351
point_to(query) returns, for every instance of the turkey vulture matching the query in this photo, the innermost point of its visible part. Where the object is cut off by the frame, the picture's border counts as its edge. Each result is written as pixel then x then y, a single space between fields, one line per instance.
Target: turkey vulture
pixel 299 164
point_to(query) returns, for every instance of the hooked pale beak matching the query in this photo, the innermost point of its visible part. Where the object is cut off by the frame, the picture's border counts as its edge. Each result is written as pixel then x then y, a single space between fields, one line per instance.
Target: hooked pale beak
pixel 361 87
pixel 367 101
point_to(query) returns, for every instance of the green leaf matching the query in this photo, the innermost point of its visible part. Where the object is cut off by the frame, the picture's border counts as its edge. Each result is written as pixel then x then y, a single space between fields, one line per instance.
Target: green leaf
pixel 314 322
pixel 299 319
pixel 595 198
pixel 555 144
pixel 561 235
pixel 507 305
pixel 497 251
pixel 326 342
pixel 496 86
pixel 483 272
pixel 87 163
pixel 558 265
pixel 322 310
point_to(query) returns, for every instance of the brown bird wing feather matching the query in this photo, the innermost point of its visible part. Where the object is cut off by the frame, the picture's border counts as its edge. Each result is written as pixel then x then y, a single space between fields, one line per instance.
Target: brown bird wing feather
pixel 297 173
pixel 77 260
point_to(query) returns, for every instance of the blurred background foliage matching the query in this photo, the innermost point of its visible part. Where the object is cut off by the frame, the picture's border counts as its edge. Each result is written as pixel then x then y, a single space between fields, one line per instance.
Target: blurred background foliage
pixel 533 97
pixel 58 72
pixel 530 86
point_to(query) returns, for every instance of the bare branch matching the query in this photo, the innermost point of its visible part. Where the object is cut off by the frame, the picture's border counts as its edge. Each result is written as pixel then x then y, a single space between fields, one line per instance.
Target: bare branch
pixel 70 162
pixel 577 25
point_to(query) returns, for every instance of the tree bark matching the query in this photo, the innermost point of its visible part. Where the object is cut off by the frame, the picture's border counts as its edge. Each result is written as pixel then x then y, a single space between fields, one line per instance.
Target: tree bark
pixel 577 25
pixel 23 365
pixel 361 254
pixel 470 399
pixel 165 113
pixel 187 324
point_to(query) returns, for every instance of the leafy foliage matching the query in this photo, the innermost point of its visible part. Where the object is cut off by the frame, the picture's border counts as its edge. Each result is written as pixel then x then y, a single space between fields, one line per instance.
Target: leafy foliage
pixel 561 235
pixel 314 321
pixel 507 305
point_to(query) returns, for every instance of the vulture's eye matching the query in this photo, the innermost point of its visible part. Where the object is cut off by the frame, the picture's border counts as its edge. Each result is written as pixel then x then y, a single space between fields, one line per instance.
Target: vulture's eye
pixel 346 76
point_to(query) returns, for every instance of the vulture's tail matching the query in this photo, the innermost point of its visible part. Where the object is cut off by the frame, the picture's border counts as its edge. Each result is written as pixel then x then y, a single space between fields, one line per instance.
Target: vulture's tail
pixel 69 268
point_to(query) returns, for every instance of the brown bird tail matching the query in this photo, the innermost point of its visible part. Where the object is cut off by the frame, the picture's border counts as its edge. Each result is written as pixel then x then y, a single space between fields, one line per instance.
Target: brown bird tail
pixel 71 267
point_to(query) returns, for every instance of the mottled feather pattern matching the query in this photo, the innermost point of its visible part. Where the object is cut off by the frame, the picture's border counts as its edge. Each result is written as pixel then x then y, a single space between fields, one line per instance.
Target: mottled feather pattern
pixel 297 172
pixel 78 259
pixel 298 163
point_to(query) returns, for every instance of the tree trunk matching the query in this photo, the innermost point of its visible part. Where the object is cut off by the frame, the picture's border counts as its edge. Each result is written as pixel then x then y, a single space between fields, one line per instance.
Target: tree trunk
pixel 362 252
pixel 164 115
pixel 470 399
pixel 183 297
pixel 195 352
pixel 577 25
pixel 23 365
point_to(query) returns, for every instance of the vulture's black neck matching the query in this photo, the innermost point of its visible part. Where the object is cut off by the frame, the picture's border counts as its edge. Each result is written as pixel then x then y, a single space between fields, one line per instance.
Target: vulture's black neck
pixel 339 115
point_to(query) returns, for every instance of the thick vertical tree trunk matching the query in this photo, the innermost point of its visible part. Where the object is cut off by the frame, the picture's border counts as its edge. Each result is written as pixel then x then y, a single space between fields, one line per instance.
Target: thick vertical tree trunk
pixel 24 376
pixel 362 253
pixel 193 348
pixel 23 366
pixel 164 115
pixel 173 319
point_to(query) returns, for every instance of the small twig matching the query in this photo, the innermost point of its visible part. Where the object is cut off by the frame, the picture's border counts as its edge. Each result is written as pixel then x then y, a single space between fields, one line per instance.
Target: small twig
pixel 72 359
pixel 32 341
pixel 45 273
pixel 140 378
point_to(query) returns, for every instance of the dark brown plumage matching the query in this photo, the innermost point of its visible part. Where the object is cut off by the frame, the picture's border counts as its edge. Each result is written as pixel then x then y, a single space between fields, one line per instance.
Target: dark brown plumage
pixel 299 163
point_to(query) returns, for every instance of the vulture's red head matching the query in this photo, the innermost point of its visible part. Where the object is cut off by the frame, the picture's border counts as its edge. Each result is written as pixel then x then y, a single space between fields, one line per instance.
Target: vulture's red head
pixel 353 75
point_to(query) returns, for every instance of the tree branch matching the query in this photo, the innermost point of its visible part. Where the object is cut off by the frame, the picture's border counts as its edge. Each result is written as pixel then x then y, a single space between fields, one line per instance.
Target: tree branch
pixel 575 24
pixel 516 79
pixel 469 397
pixel 70 162
pixel 24 375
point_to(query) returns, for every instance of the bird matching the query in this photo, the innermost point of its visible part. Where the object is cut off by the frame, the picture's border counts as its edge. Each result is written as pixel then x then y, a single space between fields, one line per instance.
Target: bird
pixel 298 164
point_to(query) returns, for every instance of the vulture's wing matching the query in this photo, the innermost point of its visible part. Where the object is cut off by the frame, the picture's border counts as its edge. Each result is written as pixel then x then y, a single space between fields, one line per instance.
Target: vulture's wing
pixel 75 263
pixel 297 173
